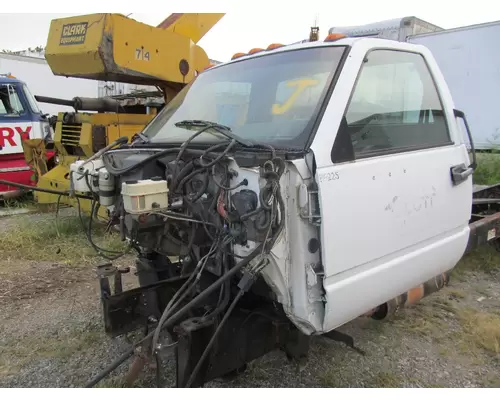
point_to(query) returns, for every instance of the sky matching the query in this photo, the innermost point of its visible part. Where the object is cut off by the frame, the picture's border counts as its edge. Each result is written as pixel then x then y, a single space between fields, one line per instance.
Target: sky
pixel 247 23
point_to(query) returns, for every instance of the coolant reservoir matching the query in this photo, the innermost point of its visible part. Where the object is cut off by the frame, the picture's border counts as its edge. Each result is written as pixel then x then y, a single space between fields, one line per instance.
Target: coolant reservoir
pixel 78 174
pixel 145 196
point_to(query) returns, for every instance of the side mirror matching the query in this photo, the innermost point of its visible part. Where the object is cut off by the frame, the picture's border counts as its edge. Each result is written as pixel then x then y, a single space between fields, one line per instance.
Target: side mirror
pixel 461 115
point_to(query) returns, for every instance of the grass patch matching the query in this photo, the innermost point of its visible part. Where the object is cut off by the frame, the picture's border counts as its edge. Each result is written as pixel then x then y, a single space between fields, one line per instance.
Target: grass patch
pixel 488 169
pixel 481 329
pixel 421 319
pixel 24 201
pixel 14 355
pixel 332 378
pixel 44 240
pixel 385 379
pixel 484 259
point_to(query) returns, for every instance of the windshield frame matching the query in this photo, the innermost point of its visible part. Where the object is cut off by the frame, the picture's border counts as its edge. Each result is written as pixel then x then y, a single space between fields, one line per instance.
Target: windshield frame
pixel 307 134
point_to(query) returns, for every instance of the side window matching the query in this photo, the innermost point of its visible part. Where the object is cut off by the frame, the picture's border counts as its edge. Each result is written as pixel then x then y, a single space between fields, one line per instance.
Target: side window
pixel 11 104
pixel 395 106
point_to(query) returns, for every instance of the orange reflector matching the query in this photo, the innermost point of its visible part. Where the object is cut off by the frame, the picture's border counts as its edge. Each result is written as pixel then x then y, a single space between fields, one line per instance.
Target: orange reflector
pixel 209 66
pixel 255 50
pixel 237 55
pixel 274 46
pixel 334 36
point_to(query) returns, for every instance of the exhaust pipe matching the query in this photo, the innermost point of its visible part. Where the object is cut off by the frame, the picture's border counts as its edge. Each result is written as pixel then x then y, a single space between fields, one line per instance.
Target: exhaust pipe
pixel 411 297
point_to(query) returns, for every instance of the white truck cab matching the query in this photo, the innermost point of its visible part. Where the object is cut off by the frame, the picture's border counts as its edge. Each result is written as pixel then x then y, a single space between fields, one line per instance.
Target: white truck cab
pixel 319 181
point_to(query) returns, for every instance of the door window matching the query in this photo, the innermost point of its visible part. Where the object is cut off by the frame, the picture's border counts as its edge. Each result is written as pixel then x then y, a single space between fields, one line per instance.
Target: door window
pixel 395 106
pixel 10 103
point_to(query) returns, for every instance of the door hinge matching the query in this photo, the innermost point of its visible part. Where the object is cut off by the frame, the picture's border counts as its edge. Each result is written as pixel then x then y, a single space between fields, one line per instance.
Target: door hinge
pixel 308 202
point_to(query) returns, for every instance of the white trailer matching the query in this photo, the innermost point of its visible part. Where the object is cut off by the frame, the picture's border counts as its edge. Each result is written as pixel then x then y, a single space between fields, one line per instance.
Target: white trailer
pixel 38 76
pixel 36 73
pixel 394 29
pixel 468 59
pixel 470 63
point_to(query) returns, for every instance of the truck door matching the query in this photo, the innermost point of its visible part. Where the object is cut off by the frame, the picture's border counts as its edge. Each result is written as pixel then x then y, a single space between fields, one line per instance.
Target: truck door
pixel 391 216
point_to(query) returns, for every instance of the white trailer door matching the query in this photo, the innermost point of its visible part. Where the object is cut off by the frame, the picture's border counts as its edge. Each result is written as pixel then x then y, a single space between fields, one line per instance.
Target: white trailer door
pixel 391 216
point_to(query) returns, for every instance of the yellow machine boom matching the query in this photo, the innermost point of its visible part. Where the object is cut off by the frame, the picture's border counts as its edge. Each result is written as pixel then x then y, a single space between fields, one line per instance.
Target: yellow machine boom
pixel 112 47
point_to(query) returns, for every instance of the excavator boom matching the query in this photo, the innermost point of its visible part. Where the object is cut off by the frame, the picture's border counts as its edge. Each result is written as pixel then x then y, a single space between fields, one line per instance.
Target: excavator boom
pixel 112 47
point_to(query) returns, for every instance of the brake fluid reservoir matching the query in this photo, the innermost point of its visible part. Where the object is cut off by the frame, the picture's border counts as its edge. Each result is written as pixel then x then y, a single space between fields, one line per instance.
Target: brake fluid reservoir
pixel 106 188
pixel 145 196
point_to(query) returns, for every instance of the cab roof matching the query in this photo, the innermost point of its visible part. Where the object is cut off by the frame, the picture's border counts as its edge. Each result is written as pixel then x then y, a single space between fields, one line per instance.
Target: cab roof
pixel 4 79
pixel 346 41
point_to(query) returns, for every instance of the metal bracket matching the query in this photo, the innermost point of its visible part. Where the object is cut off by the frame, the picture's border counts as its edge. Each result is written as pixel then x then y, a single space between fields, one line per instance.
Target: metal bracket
pixel 344 338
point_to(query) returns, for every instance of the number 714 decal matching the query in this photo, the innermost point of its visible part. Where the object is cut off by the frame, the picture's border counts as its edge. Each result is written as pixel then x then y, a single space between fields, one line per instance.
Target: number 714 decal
pixel 142 55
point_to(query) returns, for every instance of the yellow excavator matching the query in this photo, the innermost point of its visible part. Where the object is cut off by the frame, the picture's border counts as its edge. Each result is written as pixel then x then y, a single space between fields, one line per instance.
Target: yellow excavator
pixel 112 47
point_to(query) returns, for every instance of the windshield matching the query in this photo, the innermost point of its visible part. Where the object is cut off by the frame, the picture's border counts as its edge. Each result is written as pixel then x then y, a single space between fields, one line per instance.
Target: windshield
pixel 31 100
pixel 272 99
pixel 10 103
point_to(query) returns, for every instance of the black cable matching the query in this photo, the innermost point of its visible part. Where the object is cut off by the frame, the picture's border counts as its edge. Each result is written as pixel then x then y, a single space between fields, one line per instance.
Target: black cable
pixel 185 289
pixel 37 189
pixel 114 365
pixel 226 289
pixel 158 365
pixel 187 169
pixel 187 178
pixel 214 337
pixel 244 182
pixel 220 157
pixel 94 211
pixel 203 188
pixel 178 315
pixel 89 238
pixel 186 144
pixel 190 139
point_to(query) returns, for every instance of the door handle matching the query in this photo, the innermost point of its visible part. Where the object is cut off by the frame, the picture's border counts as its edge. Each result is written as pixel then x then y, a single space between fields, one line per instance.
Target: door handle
pixel 460 173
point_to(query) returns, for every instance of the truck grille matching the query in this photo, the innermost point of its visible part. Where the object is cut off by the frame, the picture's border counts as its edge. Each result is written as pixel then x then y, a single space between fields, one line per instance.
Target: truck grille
pixel 70 138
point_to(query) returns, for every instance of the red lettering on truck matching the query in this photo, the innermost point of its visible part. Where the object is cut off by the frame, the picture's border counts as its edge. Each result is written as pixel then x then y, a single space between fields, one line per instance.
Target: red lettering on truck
pixel 7 135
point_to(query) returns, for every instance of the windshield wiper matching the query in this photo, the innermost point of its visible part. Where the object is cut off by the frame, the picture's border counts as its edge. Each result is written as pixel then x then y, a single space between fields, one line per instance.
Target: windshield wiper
pixel 222 129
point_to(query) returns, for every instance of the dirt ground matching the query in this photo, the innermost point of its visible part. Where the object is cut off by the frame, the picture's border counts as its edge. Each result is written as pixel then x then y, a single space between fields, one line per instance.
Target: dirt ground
pixel 51 333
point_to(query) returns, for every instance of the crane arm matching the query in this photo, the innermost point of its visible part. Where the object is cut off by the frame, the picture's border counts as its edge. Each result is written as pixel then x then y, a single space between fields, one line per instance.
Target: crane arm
pixel 112 47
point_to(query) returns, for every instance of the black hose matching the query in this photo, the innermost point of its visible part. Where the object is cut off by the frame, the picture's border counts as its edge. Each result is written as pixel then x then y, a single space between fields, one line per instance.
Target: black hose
pixel 203 188
pixel 187 178
pixel 114 365
pixel 220 157
pixel 226 288
pixel 183 172
pixel 190 139
pixel 244 182
pixel 37 189
pixel 88 229
pixel 178 315
pixel 214 337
